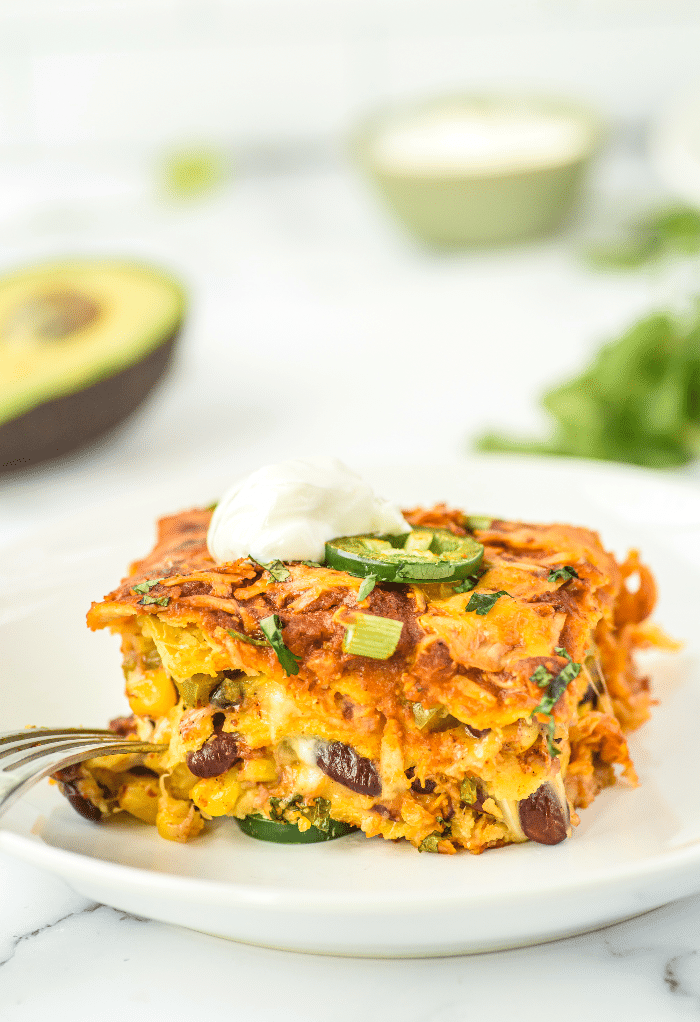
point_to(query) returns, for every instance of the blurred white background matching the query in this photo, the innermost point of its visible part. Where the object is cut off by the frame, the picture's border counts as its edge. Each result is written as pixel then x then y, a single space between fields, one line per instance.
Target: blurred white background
pixel 316 325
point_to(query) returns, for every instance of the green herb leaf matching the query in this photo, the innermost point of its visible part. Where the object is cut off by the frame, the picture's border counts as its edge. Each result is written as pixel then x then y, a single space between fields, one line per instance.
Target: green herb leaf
pixel 553 749
pixel 367 586
pixel 559 683
pixel 242 637
pixel 638 401
pixel 469 582
pixel 272 628
pixel 275 568
pixel 481 603
pixel 311 564
pixel 566 574
pixel 143 587
pixel 162 601
pixel 372 636
pixel 541 676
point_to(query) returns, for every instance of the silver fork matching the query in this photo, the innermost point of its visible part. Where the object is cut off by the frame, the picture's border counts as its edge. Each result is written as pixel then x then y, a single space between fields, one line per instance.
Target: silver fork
pixel 27 756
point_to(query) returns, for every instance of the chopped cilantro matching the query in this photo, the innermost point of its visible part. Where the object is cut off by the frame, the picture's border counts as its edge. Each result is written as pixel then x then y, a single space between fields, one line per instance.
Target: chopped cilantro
pixel 556 685
pixel 246 638
pixel 541 676
pixel 469 582
pixel 311 564
pixel 566 574
pixel 553 750
pixel 318 813
pixel 272 628
pixel 143 587
pixel 162 601
pixel 367 586
pixel 481 603
pixel 637 401
pixel 276 569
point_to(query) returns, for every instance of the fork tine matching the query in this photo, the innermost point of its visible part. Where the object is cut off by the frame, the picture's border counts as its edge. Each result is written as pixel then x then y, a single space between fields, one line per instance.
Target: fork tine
pixel 22 743
pixel 97 745
pixel 7 737
pixel 45 751
pixel 21 746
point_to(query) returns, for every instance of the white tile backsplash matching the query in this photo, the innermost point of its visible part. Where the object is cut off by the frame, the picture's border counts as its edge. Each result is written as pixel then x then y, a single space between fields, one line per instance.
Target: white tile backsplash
pixel 153 72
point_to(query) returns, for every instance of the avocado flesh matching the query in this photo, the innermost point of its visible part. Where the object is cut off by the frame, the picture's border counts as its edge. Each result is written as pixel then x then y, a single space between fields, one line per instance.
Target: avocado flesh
pixel 81 345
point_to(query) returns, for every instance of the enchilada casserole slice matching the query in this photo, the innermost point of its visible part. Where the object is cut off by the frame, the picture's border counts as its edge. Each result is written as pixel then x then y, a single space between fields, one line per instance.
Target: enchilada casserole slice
pixel 503 709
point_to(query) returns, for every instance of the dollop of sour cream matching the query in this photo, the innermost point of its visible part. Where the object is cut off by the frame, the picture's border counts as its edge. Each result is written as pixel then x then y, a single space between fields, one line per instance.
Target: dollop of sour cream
pixel 288 511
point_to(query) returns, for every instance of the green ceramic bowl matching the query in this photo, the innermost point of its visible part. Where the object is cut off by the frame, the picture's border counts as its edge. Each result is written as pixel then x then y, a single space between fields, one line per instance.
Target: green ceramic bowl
pixel 477 170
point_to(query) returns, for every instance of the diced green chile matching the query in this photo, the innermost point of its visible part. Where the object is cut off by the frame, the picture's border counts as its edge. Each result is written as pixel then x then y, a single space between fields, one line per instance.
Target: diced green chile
pixel 263 829
pixel 230 691
pixel 195 691
pixel 421 556
pixel 343 764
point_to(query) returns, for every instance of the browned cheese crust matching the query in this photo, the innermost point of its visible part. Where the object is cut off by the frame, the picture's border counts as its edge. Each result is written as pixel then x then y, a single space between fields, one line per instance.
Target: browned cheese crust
pixel 447 752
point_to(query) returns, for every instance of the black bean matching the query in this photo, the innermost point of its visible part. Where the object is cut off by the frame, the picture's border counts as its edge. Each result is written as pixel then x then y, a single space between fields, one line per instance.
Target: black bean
pixel 142 771
pixel 426 789
pixel 79 803
pixel 343 764
pixel 215 757
pixel 543 817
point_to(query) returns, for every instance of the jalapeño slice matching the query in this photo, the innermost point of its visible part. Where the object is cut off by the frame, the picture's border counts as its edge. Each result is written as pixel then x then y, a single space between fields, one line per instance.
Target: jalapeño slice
pixel 288 833
pixel 420 556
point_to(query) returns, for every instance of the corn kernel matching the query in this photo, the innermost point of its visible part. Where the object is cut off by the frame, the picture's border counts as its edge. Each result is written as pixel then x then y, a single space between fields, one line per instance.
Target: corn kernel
pixel 217 796
pixel 140 798
pixel 177 820
pixel 258 770
pixel 150 693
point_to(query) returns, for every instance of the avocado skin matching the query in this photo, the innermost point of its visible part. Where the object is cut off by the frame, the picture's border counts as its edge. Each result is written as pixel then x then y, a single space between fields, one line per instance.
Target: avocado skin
pixel 59 426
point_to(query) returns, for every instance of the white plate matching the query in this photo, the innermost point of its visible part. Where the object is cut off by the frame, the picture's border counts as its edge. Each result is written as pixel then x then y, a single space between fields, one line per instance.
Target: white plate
pixel 635 849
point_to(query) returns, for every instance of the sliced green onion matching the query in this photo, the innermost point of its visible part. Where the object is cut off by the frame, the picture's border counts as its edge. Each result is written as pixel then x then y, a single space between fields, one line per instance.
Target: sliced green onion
pixel 272 629
pixel 478 522
pixel 372 636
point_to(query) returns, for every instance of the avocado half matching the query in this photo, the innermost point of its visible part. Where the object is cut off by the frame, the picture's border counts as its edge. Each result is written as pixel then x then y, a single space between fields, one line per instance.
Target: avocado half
pixel 81 345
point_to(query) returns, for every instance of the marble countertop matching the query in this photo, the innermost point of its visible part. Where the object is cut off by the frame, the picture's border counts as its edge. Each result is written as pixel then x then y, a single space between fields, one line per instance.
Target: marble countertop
pixel 300 288
pixel 63 958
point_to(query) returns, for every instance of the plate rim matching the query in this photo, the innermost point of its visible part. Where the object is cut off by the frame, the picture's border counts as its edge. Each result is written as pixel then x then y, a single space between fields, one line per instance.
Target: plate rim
pixel 327 900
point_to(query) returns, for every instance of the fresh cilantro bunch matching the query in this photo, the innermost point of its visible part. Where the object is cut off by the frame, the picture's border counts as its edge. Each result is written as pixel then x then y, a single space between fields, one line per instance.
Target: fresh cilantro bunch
pixel 638 401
